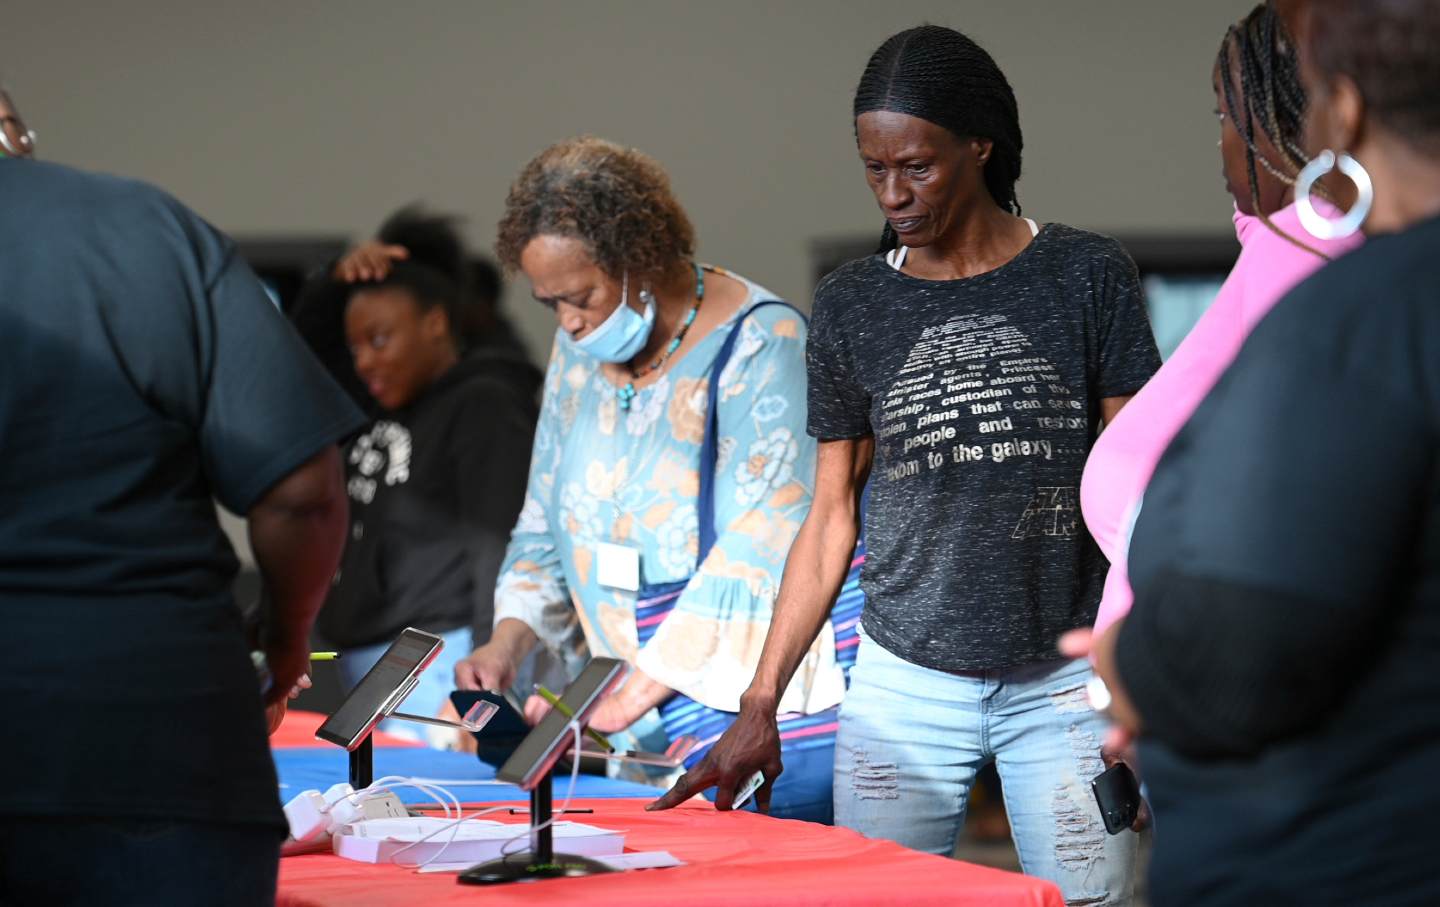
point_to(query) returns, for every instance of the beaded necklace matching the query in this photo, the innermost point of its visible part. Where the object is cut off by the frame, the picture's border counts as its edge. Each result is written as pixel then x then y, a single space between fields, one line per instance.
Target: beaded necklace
pixel 626 395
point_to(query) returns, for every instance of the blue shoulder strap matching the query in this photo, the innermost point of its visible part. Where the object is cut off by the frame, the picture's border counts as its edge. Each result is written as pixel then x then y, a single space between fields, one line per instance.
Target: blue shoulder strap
pixel 710 445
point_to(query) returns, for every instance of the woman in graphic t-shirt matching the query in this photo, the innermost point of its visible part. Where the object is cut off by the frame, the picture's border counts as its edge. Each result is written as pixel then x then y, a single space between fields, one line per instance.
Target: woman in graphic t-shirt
pixel 963 372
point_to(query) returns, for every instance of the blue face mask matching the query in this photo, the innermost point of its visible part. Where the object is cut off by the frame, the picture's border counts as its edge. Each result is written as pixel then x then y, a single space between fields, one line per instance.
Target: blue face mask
pixel 623 334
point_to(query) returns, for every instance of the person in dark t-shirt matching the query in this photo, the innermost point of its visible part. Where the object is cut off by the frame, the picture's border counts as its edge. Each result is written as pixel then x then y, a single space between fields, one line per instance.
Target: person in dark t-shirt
pixel 436 482
pixel 146 375
pixel 964 375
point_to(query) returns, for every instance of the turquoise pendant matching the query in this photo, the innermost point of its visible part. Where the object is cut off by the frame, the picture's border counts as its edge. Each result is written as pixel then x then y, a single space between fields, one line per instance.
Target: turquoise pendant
pixel 625 395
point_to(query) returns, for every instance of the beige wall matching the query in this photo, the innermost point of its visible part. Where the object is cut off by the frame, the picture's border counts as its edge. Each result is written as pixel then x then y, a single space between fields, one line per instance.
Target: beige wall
pixel 287 116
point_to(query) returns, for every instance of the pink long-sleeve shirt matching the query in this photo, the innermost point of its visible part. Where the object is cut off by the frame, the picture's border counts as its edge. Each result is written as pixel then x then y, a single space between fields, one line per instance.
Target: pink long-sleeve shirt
pixel 1127 451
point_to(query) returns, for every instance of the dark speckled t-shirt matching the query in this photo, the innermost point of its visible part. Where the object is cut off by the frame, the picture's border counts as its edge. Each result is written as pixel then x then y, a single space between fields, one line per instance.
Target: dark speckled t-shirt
pixel 983 396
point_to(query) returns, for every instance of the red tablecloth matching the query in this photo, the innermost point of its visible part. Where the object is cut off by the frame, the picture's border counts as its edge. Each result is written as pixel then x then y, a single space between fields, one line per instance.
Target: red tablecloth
pixel 297 729
pixel 732 858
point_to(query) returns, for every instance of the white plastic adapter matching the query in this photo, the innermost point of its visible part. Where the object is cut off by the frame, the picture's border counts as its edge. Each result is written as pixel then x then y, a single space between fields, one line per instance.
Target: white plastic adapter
pixel 305 814
pixel 380 805
pixel 308 812
pixel 313 817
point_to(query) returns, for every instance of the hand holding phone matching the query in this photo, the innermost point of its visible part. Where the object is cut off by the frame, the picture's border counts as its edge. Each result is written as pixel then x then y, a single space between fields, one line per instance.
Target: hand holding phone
pixel 748 789
pixel 1117 792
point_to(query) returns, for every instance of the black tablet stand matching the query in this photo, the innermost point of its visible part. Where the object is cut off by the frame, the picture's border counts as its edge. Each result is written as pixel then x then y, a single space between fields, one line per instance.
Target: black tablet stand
pixel 362 763
pixel 362 757
pixel 540 861
pixel 597 679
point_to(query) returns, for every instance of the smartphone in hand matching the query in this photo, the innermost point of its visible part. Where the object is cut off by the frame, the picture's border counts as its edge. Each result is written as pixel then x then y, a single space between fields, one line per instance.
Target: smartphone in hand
pixel 747 790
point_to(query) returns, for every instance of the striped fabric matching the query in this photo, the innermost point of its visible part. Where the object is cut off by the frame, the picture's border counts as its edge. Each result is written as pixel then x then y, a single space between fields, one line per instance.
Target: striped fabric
pixel 683 715
pixel 845 616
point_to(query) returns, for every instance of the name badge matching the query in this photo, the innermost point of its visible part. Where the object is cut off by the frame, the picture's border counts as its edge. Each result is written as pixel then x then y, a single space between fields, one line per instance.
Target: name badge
pixel 618 566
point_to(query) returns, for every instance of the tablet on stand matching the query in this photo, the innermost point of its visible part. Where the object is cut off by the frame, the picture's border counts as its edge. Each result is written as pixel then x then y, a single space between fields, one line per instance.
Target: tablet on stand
pixel 532 766
pixel 378 695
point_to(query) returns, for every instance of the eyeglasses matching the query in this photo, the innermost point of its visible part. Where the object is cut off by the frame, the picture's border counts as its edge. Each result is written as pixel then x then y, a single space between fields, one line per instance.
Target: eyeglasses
pixel 11 126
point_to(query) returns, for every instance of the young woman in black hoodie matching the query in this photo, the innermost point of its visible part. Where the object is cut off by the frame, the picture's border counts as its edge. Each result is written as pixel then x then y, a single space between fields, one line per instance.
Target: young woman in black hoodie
pixel 437 481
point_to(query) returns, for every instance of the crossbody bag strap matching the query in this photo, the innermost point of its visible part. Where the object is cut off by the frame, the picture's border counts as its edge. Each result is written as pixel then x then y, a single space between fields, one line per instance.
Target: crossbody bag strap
pixel 710 444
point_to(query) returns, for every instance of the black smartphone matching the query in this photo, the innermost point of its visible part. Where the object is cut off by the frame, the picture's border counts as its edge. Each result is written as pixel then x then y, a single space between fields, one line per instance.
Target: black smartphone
pixel 1117 791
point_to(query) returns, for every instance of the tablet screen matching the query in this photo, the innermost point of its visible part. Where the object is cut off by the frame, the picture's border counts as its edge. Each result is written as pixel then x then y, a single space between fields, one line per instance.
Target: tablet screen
pixel 552 736
pixel 406 658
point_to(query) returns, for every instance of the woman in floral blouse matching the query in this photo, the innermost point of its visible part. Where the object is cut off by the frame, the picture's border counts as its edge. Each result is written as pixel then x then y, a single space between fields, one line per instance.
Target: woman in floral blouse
pixel 615 468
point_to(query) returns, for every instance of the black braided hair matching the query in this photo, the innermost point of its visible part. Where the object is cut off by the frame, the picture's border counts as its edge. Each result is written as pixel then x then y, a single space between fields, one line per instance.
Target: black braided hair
pixel 1270 99
pixel 940 75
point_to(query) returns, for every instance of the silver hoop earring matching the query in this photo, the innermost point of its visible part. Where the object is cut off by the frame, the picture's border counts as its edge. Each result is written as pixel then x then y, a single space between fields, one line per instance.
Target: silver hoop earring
pixel 27 139
pixel 1321 227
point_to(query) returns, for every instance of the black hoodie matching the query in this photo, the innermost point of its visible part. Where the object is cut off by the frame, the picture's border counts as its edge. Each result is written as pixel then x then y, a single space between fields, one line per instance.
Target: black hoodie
pixel 435 489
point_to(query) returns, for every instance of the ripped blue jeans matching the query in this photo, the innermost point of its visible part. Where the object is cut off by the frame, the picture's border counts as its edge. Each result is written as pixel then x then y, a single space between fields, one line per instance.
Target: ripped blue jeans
pixel 911 740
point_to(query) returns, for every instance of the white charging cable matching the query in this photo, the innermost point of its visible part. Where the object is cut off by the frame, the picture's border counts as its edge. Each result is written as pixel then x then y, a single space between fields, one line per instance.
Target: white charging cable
pixel 390 783
pixel 436 790
pixel 454 826
pixel 574 777
pixel 452 808
pixel 313 816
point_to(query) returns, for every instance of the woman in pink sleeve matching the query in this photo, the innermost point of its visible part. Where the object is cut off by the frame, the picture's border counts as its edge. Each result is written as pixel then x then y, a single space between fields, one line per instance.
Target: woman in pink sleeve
pixel 1261 107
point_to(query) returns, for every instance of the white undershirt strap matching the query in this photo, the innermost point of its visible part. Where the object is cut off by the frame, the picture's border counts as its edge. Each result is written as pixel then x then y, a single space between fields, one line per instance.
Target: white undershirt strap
pixel 895 258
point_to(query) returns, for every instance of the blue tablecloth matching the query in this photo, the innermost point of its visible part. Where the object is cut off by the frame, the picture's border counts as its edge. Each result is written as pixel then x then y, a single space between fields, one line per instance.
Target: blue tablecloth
pixel 312 768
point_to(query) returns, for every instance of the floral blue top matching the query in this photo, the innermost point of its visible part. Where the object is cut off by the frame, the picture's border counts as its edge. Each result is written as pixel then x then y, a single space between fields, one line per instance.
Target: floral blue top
pixel 631 477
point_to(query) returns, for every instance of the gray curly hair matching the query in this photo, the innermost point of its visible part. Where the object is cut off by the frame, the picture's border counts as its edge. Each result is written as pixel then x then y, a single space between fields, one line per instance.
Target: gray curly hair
pixel 616 200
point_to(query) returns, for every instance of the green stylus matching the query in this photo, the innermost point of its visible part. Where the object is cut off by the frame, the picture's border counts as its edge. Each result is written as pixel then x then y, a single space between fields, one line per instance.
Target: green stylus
pixel 564 709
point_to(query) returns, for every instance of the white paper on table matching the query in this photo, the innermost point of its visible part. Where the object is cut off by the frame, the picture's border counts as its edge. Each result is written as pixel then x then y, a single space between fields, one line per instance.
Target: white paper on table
pixel 655 859
pixel 473 841
pixel 446 867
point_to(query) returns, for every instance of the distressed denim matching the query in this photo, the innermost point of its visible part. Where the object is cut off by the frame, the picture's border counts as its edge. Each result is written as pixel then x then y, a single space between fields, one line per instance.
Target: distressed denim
pixel 912 738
